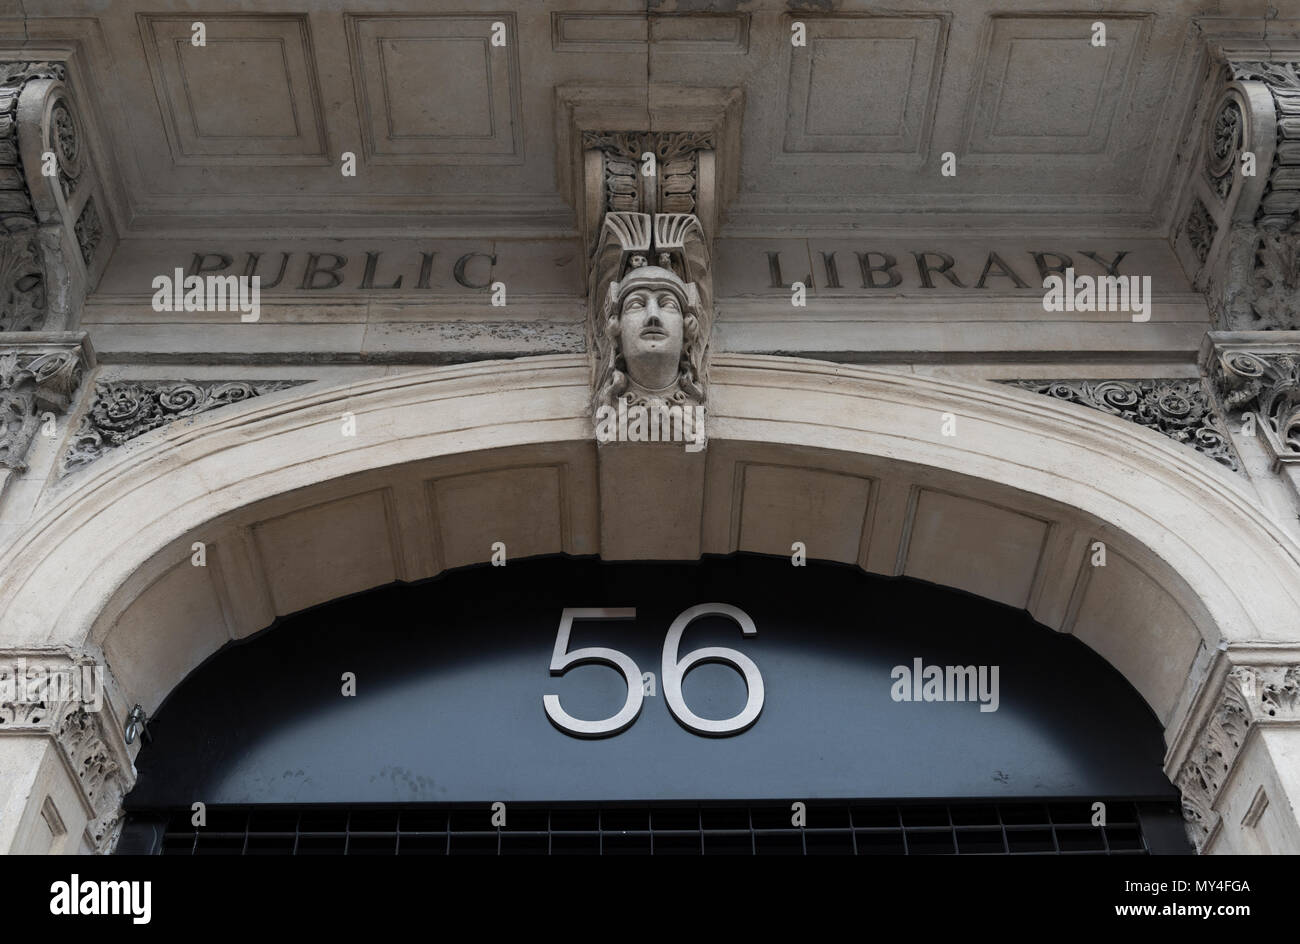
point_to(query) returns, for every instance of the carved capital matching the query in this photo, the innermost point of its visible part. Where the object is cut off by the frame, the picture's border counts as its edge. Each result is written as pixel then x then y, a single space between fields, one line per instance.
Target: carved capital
pixel 69 696
pixel 1250 375
pixel 1250 695
pixel 39 373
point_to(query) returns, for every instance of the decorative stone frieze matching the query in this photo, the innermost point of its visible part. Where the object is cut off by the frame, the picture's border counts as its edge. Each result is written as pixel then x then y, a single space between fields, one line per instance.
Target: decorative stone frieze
pixel 39 373
pixel 1250 695
pixel 1175 408
pixel 67 696
pixel 123 410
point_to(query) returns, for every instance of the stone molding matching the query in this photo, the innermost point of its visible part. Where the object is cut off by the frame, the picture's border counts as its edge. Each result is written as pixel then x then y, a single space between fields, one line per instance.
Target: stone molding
pixel 89 737
pixel 1176 408
pixel 122 410
pixel 39 372
pixel 1247 696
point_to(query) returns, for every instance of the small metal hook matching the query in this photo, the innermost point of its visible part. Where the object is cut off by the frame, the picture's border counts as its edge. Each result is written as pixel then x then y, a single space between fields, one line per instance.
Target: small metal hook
pixel 136 722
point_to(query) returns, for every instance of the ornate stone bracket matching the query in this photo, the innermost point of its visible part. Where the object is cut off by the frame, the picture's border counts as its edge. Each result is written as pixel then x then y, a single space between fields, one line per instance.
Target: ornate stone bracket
pixel 1239 233
pixel 1251 695
pixel 602 134
pixel 1175 408
pixel 39 373
pixel 51 228
pixel 123 410
pixel 651 312
pixel 69 696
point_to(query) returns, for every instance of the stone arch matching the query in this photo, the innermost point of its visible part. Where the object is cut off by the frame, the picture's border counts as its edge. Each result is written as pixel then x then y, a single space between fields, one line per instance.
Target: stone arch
pixel 851 460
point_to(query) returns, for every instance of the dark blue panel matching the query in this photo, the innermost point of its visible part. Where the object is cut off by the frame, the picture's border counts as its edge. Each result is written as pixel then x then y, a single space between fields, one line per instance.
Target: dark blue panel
pixel 451 673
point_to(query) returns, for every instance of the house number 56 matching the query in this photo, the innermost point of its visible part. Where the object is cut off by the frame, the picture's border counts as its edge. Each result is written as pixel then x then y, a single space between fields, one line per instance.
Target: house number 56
pixel 674 669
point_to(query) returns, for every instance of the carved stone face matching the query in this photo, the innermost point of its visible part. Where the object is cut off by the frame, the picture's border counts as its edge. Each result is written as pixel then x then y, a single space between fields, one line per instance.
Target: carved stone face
pixel 651 334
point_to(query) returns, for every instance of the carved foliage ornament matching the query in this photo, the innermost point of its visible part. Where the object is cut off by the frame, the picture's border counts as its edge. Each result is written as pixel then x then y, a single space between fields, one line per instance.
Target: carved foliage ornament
pixel 22 282
pixel 672 188
pixel 1268 384
pixel 1175 408
pixel 124 410
pixel 651 308
pixel 1226 135
pixel 1201 230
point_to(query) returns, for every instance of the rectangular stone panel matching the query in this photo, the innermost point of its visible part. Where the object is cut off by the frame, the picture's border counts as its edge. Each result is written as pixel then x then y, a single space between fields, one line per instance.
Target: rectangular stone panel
pixel 522 508
pixel 863 84
pixel 1045 88
pixel 436 89
pixel 975 546
pixel 1121 595
pixel 327 550
pixel 249 94
pixel 780 505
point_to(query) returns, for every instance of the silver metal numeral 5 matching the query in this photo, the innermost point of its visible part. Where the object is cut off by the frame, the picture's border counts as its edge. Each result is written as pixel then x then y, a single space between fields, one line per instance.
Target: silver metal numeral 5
pixel 562 661
pixel 674 670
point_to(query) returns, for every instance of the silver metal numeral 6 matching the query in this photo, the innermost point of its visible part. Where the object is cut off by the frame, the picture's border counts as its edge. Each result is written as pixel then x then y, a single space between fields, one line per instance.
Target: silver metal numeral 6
pixel 562 661
pixel 674 670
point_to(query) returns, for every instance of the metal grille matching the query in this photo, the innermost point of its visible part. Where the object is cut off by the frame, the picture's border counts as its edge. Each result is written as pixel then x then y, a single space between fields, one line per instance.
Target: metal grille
pixel 757 828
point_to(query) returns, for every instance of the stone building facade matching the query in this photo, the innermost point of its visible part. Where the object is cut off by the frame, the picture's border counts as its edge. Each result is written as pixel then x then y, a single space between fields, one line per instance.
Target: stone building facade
pixel 960 292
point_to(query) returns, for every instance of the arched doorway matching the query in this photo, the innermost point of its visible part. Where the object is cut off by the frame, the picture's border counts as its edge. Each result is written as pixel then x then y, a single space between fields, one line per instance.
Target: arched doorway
pixel 850 462
pixel 845 712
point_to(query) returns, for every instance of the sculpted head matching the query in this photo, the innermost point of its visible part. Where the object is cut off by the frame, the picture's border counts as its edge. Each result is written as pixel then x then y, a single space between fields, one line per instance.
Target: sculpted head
pixel 651 336
pixel 651 321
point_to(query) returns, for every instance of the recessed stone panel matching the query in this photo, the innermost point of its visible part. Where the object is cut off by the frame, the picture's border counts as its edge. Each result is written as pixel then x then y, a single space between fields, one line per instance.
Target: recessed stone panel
pixel 1138 627
pixel 326 551
pixel 863 84
pixel 975 546
pixel 1044 88
pixel 435 90
pixel 249 94
pixel 780 505
pixel 171 627
pixel 522 508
